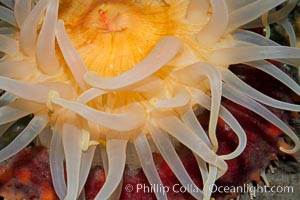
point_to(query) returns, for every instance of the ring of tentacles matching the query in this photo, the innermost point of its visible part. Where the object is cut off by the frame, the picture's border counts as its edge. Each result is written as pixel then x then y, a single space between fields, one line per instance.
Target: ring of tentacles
pixel 128 77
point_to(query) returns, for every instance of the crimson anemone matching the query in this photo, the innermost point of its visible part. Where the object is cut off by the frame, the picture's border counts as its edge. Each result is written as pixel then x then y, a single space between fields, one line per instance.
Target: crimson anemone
pixel 127 76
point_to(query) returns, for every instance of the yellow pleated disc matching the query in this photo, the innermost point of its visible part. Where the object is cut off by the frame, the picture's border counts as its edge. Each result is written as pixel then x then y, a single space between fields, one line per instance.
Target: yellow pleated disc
pixel 112 36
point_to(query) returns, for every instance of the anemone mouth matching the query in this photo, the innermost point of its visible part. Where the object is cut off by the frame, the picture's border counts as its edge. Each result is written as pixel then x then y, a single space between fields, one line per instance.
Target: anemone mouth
pixel 134 26
pixel 130 72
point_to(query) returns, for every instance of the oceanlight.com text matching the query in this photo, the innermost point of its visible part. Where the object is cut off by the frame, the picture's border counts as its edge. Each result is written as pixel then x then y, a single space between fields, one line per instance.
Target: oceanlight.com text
pixel 251 189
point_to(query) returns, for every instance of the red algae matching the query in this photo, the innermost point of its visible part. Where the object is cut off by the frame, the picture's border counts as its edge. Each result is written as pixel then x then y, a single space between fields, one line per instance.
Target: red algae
pixel 27 176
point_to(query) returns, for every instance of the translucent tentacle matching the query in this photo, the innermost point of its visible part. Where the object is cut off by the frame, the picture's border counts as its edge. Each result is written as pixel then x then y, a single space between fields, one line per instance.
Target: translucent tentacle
pixel 237 83
pixel 145 155
pixel 104 158
pixel 22 9
pixel 239 98
pixel 260 40
pixel 8 3
pixel 5 127
pixel 250 12
pixel 197 11
pixel 177 129
pixel 7 15
pixel 162 53
pixel 35 126
pixel 189 118
pixel 203 168
pixel 17 70
pixel 234 5
pixel 28 32
pixel 72 58
pixel 274 16
pixel 88 155
pixel 57 157
pixel 72 137
pixel 253 38
pixel 210 181
pixel 251 53
pixel 6 98
pixel 17 109
pixel 217 24
pixel 276 73
pixel 35 92
pixel 7 30
pixel 133 119
pixel 214 76
pixel 90 94
pixel 287 25
pixel 169 154
pixel 202 99
pixel 116 151
pixel 8 45
pixel 180 99
pixel 149 87
pixel 45 48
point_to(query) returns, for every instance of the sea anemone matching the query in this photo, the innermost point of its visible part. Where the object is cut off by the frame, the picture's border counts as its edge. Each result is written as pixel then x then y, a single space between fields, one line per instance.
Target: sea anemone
pixel 129 75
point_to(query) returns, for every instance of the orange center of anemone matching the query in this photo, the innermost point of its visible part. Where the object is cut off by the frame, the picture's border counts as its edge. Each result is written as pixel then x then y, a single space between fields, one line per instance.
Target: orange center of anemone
pixel 113 36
